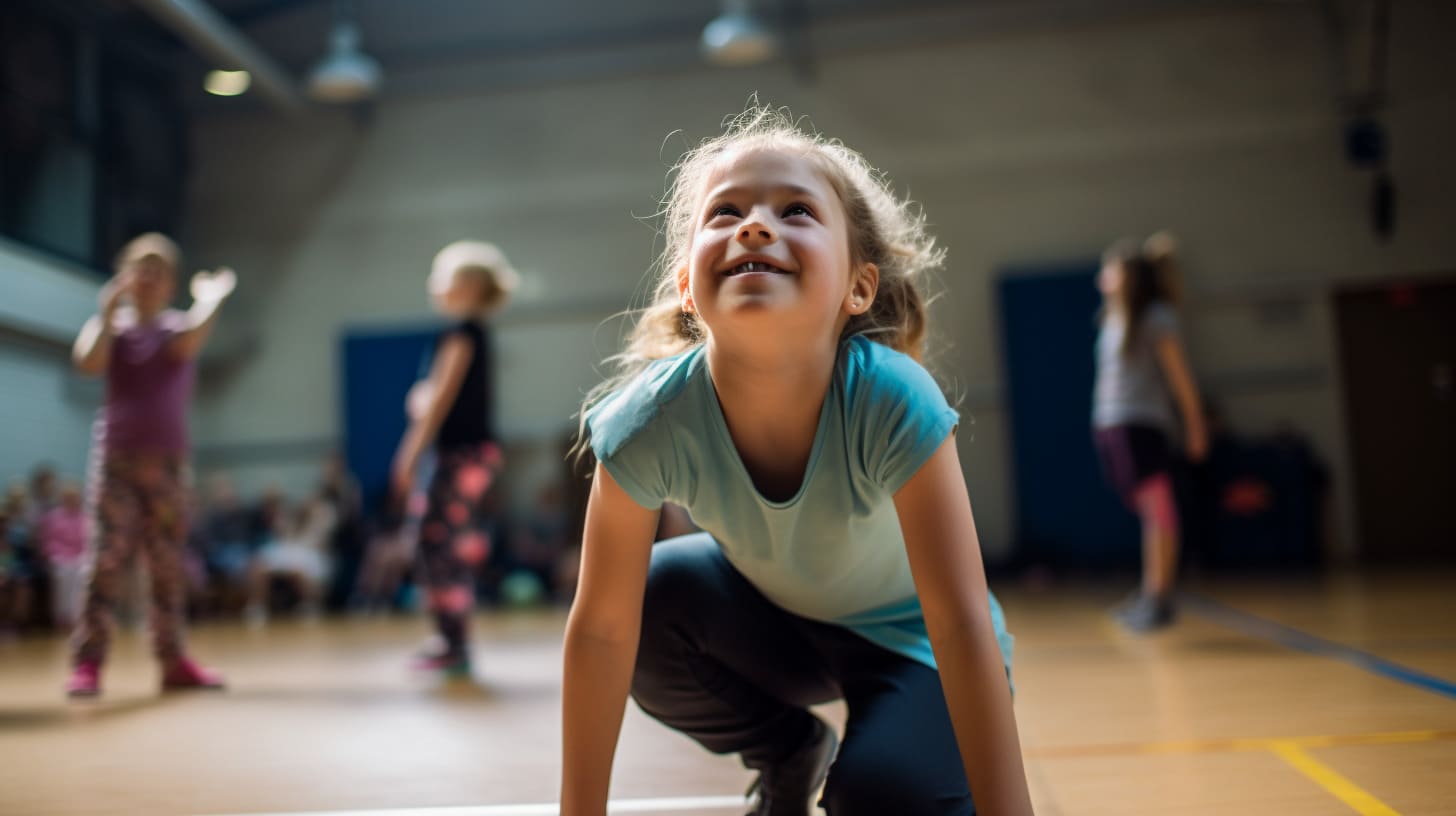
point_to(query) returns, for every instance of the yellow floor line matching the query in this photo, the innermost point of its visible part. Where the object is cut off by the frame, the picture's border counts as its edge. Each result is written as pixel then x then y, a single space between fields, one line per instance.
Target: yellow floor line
pixel 1323 775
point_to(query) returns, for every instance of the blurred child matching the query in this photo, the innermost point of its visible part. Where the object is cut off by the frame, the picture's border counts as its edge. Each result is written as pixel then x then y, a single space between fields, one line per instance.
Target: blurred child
pixel 63 534
pixel 452 411
pixel 139 459
pixel 1141 371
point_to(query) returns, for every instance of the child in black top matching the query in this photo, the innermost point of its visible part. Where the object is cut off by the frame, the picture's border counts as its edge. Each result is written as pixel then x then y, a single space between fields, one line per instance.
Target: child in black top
pixel 451 409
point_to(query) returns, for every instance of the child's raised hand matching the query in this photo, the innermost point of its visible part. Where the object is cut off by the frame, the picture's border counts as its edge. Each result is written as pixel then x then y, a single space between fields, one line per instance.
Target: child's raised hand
pixel 113 293
pixel 213 286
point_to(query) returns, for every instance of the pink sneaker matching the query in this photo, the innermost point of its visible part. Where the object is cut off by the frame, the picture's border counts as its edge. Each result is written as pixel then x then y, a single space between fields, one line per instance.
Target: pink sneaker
pixel 185 674
pixel 85 679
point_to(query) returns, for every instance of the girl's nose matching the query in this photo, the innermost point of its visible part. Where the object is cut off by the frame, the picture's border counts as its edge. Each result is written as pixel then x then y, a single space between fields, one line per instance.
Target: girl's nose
pixel 755 230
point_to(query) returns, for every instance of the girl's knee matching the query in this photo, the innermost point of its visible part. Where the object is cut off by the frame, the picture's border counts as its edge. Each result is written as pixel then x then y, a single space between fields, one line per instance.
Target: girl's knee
pixel 1155 502
pixel 865 783
pixel 679 577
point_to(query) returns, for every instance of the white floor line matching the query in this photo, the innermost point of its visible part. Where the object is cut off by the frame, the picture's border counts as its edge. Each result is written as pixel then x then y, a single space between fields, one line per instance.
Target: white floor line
pixel 666 805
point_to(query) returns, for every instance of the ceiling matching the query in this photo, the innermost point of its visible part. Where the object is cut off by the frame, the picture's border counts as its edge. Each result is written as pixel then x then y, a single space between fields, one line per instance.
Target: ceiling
pixel 434 46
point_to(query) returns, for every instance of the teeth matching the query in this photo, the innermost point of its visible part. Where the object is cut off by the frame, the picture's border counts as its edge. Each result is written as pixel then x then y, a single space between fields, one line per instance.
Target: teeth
pixel 752 266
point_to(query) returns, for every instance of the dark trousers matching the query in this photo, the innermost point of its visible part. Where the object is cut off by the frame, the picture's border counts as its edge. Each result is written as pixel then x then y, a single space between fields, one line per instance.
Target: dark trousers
pixel 721 663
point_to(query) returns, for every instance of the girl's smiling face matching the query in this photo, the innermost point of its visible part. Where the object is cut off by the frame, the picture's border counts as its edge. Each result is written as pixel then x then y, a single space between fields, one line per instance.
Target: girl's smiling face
pixel 771 243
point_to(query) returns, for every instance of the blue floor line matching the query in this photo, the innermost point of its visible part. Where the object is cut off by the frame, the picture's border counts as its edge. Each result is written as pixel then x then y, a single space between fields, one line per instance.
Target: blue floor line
pixel 1256 626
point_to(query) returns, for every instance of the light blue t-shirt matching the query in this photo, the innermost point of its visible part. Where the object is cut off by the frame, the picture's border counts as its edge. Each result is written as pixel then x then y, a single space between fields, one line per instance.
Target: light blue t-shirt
pixel 833 552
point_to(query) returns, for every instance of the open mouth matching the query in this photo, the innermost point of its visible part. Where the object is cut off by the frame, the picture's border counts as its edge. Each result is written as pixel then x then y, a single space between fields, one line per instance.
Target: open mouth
pixel 754 266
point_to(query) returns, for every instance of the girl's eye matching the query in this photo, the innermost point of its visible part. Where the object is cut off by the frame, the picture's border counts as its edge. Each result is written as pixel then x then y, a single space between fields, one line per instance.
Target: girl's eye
pixel 797 209
pixel 723 209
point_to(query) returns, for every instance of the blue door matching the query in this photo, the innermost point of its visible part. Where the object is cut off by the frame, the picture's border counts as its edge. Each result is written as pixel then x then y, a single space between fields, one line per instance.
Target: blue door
pixel 379 368
pixel 1065 514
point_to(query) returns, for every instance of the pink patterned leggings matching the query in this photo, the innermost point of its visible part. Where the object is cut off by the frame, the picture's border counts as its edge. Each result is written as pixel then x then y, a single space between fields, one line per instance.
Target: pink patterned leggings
pixel 138 507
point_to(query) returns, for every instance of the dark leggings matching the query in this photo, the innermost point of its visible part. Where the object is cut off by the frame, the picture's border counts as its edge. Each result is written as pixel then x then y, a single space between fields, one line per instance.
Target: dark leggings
pixel 721 663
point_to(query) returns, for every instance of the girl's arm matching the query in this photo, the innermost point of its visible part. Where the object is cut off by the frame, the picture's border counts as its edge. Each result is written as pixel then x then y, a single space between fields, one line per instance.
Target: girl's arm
pixel 945 559
pixel 447 371
pixel 1185 392
pixel 601 642
pixel 209 290
pixel 91 352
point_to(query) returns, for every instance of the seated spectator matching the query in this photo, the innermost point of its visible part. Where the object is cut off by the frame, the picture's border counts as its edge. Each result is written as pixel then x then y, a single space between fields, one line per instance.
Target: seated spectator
pixel 43 494
pixel 542 541
pixel 226 535
pixel 14 591
pixel 24 566
pixel 300 554
pixel 346 549
pixel 389 552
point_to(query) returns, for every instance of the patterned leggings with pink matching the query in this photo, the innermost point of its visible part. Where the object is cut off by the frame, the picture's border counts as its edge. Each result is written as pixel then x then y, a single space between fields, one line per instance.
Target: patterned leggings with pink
pixel 453 541
pixel 139 509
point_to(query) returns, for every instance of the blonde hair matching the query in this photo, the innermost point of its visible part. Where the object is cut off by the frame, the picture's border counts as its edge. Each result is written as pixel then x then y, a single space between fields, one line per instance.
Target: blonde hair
pixel 884 229
pixel 146 244
pixel 483 262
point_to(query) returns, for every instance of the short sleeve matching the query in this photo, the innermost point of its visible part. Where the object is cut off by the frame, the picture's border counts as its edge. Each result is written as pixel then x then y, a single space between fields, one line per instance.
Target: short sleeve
pixel 638 468
pixel 1160 321
pixel 174 322
pixel 626 435
pixel 898 412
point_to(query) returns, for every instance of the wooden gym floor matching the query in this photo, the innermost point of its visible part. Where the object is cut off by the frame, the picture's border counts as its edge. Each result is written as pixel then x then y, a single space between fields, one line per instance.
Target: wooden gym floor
pixel 1326 696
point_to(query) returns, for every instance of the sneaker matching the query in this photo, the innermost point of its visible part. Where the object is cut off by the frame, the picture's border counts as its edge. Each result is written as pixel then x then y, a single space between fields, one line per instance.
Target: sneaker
pixel 85 679
pixel 185 674
pixel 1147 613
pixel 1128 602
pixel 785 788
pixel 452 666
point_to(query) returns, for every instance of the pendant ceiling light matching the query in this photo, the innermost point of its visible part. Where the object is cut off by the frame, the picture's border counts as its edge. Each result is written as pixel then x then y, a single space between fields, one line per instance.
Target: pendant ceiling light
pixel 346 74
pixel 737 37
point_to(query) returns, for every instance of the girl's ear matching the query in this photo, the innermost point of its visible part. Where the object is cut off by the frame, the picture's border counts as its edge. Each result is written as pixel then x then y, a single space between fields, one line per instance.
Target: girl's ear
pixel 862 289
pixel 684 294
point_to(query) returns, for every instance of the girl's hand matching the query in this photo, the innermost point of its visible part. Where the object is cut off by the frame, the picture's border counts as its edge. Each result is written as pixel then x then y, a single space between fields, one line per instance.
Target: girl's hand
pixel 417 403
pixel 113 293
pixel 213 287
pixel 402 476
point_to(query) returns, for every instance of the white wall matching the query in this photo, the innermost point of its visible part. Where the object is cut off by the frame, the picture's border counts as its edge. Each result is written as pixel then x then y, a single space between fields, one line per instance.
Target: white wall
pixel 45 409
pixel 46 413
pixel 1029 147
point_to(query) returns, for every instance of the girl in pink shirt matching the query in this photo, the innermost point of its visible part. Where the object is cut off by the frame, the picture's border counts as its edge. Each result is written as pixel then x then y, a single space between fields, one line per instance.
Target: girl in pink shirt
pixel 139 468
pixel 63 542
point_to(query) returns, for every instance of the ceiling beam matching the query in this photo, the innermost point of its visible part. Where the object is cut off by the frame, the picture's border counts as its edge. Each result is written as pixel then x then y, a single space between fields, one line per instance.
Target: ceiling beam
pixel 208 32
pixel 263 9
